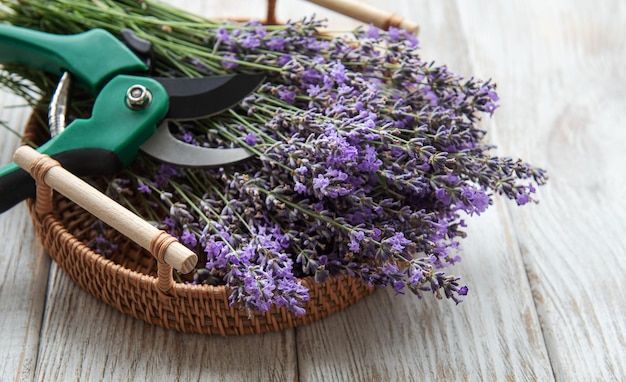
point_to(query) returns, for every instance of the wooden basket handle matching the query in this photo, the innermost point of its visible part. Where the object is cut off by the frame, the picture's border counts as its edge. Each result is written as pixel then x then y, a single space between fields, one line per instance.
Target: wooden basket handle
pixel 358 11
pixel 49 174
pixel 368 14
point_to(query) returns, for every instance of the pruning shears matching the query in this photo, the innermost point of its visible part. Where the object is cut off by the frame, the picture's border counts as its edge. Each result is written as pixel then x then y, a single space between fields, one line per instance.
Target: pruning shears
pixel 131 108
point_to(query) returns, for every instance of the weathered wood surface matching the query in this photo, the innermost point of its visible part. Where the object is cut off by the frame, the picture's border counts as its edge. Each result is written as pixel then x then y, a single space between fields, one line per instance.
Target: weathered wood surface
pixel 547 282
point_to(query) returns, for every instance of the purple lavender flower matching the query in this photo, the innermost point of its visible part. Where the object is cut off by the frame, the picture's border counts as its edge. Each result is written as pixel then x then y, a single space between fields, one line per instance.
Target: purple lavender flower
pixel 311 76
pixel 188 137
pixel 165 172
pixel 251 139
pixel 490 107
pixel 443 196
pixel 394 34
pixel 189 239
pixel 522 199
pixel 300 188
pixel 228 63
pixel 373 32
pixel 314 90
pixel 222 35
pixel 320 183
pixel 284 59
pixel 474 200
pixel 356 237
pixel 276 43
pixel 338 73
pixel 250 42
pixel 412 40
pixel 144 188
pixel 370 162
pixel 397 242
pixel 287 95
pixel 260 29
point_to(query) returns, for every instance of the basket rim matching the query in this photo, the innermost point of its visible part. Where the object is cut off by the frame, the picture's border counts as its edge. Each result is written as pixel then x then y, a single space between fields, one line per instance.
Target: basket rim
pixel 181 311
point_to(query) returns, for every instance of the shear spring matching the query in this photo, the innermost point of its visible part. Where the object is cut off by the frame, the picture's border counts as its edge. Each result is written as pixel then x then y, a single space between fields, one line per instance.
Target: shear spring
pixel 58 106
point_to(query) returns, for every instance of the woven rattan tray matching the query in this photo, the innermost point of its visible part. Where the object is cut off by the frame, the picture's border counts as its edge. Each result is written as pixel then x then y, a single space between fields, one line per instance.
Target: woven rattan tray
pixel 131 279
pixel 128 278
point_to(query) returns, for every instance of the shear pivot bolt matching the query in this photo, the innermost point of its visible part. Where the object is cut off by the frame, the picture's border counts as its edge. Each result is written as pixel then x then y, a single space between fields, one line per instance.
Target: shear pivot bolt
pixel 138 97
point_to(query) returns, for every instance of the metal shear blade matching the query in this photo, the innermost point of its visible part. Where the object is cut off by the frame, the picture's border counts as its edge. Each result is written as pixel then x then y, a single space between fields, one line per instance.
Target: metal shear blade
pixel 166 148
pixel 195 98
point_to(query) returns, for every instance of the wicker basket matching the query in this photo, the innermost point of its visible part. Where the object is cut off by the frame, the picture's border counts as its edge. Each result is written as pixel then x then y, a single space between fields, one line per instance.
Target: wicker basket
pixel 129 281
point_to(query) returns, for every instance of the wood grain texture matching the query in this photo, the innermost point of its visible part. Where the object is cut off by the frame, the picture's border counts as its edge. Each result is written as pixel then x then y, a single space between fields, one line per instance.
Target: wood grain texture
pixel 564 89
pixel 368 14
pixel 83 339
pixel 546 282
pixel 23 272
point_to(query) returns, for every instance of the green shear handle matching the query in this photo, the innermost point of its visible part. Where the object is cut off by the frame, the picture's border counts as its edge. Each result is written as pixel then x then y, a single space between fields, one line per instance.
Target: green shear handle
pixel 93 57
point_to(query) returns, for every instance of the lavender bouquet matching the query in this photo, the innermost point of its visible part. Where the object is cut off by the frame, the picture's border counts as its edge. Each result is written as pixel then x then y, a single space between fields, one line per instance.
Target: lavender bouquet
pixel 367 157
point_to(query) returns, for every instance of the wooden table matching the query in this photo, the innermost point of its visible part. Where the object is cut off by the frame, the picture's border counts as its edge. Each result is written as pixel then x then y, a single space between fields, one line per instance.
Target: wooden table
pixel 547 282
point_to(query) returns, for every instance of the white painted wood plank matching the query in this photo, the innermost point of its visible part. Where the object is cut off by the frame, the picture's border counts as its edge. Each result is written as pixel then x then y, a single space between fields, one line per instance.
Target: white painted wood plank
pixel 221 8
pixel 493 335
pixel 560 65
pixel 84 339
pixel 23 270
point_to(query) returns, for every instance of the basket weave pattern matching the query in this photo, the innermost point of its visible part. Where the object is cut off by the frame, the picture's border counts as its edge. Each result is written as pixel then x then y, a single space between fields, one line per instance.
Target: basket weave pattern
pixel 128 279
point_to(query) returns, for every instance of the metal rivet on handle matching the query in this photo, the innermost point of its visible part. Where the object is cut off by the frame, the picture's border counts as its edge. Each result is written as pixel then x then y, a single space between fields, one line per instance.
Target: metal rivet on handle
pixel 138 97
